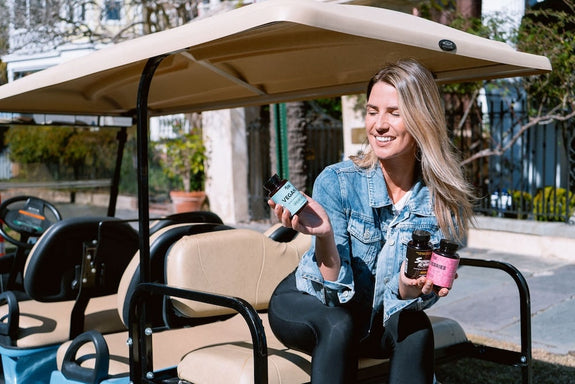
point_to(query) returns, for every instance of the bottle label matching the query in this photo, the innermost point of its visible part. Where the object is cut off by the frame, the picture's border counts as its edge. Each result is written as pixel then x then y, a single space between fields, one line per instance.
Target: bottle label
pixel 417 262
pixel 442 270
pixel 290 198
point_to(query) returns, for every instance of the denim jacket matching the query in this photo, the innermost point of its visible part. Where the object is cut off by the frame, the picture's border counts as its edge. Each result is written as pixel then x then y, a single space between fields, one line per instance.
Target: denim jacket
pixel 370 237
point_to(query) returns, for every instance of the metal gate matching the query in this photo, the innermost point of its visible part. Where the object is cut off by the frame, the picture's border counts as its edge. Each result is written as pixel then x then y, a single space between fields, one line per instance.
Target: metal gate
pixel 530 173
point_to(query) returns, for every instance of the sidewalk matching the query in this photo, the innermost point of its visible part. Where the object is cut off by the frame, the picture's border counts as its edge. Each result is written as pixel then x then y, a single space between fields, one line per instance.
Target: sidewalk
pixel 485 301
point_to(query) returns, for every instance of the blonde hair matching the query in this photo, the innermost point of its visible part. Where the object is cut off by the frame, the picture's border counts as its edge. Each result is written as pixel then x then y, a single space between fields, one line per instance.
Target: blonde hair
pixel 424 117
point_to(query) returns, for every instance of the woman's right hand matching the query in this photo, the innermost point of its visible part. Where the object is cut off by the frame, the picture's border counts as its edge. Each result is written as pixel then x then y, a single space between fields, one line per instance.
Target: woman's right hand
pixel 311 220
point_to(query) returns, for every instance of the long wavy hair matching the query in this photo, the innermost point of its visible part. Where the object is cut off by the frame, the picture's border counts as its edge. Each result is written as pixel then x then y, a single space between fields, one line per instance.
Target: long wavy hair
pixel 422 111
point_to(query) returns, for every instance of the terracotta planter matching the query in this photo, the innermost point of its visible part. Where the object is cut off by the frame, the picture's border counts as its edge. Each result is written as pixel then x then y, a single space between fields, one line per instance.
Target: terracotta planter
pixel 187 201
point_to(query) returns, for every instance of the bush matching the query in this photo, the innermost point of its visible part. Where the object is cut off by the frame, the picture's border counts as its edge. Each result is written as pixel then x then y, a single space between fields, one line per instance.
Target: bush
pixel 521 204
pixel 553 204
pixel 184 160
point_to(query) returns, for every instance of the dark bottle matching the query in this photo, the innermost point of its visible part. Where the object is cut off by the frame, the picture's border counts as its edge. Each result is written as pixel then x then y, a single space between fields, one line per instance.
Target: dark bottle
pixel 443 264
pixel 418 254
pixel 282 192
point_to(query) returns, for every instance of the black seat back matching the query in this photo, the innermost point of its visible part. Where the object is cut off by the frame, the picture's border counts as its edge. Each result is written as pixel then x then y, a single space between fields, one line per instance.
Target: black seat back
pixel 56 262
pixel 186 217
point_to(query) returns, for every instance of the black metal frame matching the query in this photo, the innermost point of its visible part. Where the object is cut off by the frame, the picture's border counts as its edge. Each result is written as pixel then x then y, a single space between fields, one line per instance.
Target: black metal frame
pixel 140 336
pixel 142 162
pixel 522 359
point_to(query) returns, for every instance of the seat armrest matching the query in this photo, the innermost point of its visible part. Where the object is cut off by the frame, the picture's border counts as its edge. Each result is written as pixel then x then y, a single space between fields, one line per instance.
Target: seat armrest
pixel 10 324
pixel 71 370
pixel 140 346
pixel 523 359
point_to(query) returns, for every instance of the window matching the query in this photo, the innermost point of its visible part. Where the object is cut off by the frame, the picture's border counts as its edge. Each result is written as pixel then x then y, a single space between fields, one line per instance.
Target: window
pixel 113 9
pixel 29 13
pixel 75 11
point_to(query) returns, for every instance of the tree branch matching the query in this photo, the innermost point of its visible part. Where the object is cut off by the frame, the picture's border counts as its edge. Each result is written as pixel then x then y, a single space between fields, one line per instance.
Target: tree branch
pixel 545 119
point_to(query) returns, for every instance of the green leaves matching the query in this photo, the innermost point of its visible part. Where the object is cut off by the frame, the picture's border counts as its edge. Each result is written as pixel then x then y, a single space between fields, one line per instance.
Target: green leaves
pixel 184 159
pixel 73 151
pixel 551 32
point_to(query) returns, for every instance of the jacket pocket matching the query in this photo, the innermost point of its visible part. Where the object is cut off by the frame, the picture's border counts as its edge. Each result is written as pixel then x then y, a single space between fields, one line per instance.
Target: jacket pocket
pixel 366 239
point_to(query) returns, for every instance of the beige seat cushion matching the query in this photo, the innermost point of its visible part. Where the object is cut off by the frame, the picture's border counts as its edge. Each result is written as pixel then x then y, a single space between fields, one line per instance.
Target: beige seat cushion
pixel 168 346
pixel 43 324
pixel 232 362
pixel 447 332
pixel 220 351
pixel 240 263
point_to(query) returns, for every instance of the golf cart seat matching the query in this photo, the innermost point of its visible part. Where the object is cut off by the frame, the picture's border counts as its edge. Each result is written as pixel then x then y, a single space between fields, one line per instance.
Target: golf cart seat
pixel 240 263
pixel 237 271
pixel 157 307
pixel 160 242
pixel 209 278
pixel 82 359
pixel 71 277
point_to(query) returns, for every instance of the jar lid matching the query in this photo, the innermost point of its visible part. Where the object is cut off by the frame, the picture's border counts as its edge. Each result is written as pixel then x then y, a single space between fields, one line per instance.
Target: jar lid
pixel 420 235
pixel 448 246
pixel 273 183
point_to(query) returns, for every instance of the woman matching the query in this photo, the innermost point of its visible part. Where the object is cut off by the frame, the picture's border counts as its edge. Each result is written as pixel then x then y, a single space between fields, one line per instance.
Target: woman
pixel 349 296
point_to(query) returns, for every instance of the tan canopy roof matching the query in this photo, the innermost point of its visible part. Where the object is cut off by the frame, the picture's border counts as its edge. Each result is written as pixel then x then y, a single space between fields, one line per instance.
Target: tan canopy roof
pixel 267 52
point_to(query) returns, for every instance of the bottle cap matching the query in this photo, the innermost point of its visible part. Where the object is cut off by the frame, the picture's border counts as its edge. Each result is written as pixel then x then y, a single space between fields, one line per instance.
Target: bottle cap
pixel 272 184
pixel 420 235
pixel 448 246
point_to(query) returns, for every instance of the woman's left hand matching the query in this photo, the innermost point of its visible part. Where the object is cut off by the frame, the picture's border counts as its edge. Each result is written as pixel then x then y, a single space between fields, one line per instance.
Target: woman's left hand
pixel 412 288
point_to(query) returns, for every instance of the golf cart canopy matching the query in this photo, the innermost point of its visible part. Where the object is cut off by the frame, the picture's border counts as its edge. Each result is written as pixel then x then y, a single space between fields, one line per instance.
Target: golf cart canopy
pixel 275 51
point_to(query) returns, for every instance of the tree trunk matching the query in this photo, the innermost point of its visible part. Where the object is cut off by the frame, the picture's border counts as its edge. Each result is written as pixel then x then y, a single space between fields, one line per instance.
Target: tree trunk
pixel 297 124
pixel 469 8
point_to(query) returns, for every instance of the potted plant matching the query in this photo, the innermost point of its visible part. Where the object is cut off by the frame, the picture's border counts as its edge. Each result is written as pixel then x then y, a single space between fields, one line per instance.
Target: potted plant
pixel 183 162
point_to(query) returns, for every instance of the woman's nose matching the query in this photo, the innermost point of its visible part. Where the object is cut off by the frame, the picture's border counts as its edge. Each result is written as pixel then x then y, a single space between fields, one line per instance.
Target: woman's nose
pixel 382 122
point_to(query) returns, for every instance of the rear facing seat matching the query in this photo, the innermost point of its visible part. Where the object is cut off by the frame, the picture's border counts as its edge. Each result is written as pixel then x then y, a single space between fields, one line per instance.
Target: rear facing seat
pixel 160 241
pixel 240 263
pixel 60 306
pixel 51 270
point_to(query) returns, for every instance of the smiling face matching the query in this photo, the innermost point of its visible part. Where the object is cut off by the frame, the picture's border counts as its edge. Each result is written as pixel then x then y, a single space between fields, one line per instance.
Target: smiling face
pixel 385 127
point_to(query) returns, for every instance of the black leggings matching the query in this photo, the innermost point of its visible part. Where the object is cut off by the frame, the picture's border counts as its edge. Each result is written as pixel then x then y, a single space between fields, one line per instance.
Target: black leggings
pixel 329 335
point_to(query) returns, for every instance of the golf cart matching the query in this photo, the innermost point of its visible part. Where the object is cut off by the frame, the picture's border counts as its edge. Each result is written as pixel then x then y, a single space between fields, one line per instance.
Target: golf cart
pixel 270 52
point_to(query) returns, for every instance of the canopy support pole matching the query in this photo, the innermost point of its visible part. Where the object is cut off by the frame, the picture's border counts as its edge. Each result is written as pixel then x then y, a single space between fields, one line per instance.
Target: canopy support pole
pixel 114 188
pixel 141 360
pixel 142 163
